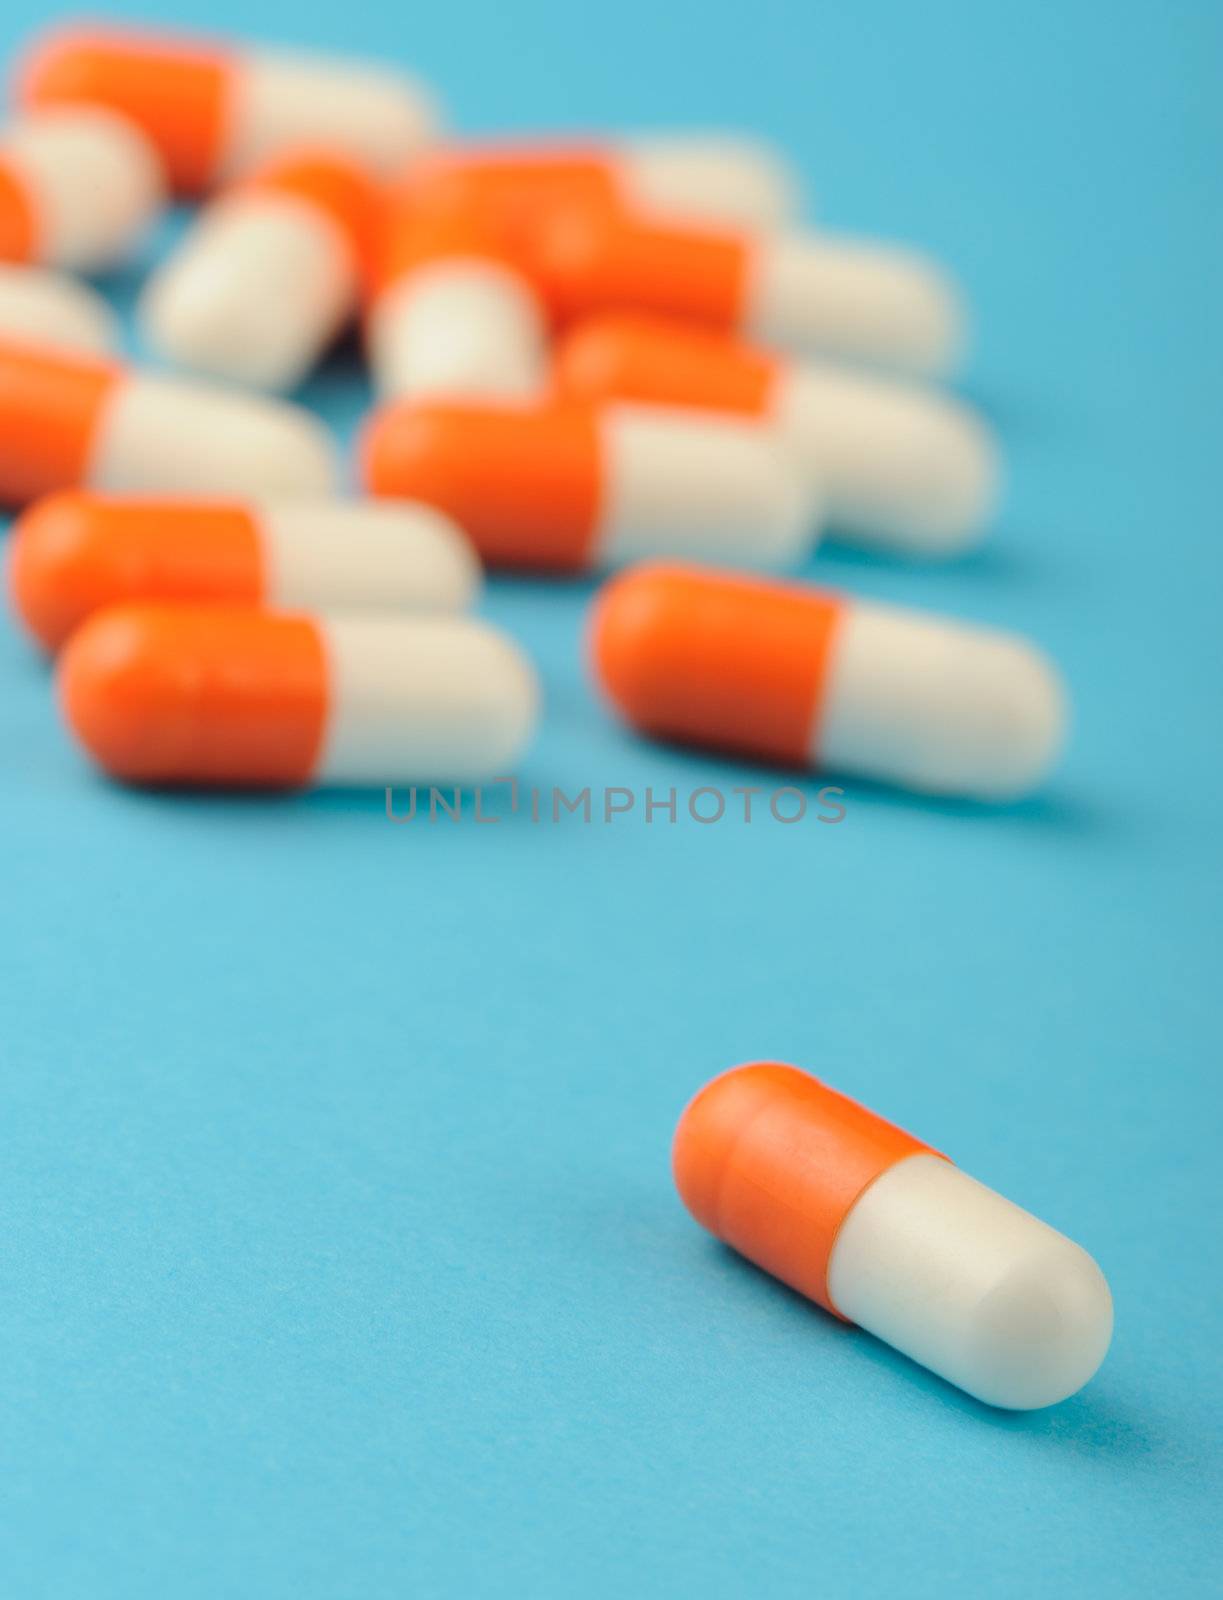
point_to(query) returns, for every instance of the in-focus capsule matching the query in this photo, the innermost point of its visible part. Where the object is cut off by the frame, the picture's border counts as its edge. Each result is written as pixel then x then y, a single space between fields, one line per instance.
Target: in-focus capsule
pixel 902 468
pixel 73 554
pixel 808 678
pixel 452 314
pixel 803 292
pixel 49 308
pixel 568 487
pixel 77 188
pixel 243 698
pixel 715 177
pixel 214 111
pixel 71 421
pixel 881 1230
pixel 268 274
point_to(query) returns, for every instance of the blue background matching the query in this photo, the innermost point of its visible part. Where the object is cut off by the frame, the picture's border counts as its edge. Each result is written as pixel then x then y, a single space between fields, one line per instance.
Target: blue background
pixel 340 1254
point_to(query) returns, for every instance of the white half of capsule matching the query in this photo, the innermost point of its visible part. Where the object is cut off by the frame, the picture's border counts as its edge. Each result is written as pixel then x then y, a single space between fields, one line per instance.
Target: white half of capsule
pixel 903 468
pixel 257 290
pixel 433 700
pixel 709 177
pixel 460 327
pixel 815 294
pixel 936 706
pixel 171 435
pixel 338 556
pixel 46 308
pixel 972 1286
pixel 714 489
pixel 93 182
pixel 283 99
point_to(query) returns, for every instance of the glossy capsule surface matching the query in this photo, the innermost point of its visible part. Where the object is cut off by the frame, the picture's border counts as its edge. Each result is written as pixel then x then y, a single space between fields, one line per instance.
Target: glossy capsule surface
pixel 884 1232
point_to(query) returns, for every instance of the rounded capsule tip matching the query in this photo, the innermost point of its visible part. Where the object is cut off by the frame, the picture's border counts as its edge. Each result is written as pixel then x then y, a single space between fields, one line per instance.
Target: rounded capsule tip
pixel 1041 1332
pixel 47 588
pixel 111 685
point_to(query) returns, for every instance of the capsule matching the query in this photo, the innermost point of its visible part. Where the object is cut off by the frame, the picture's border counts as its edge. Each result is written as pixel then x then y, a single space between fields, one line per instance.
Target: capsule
pixel 803 292
pixel 452 314
pixel 569 487
pixel 903 469
pixel 78 186
pixel 885 1232
pixel 49 308
pixel 268 275
pixel 73 554
pixel 805 677
pixel 214 111
pixel 240 698
pixel 69 421
pixel 714 177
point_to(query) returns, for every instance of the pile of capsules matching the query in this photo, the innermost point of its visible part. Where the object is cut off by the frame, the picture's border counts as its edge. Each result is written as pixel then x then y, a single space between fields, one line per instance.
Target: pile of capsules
pixel 584 356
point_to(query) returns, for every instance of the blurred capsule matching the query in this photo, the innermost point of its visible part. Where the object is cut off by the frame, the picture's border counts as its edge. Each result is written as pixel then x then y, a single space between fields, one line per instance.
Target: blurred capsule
pixel 77 188
pixel 809 678
pixel 48 308
pixel 902 467
pixel 803 292
pixel 71 421
pixel 268 274
pixel 215 111
pixel 452 314
pixel 713 177
pixel 242 698
pixel 73 554
pixel 569 487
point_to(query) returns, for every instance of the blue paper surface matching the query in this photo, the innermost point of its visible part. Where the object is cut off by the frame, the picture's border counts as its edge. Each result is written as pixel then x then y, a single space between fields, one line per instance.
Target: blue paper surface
pixel 340 1255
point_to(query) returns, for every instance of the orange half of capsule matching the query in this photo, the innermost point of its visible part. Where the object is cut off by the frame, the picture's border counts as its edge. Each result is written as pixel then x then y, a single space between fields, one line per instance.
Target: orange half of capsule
pixel 73 554
pixel 18 224
pixel 167 694
pixel 593 259
pixel 177 94
pixel 50 406
pixel 736 663
pixel 663 363
pixel 524 485
pixel 528 176
pixel 772 1161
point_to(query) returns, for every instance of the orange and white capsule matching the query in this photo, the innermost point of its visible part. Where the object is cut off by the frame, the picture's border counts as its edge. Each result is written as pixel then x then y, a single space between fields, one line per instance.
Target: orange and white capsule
pixel 452 313
pixel 78 185
pixel 714 177
pixel 885 1232
pixel 809 678
pixel 50 308
pixel 803 292
pixel 243 698
pixel 69 421
pixel 268 274
pixel 73 554
pixel 569 487
pixel 214 111
pixel 902 468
